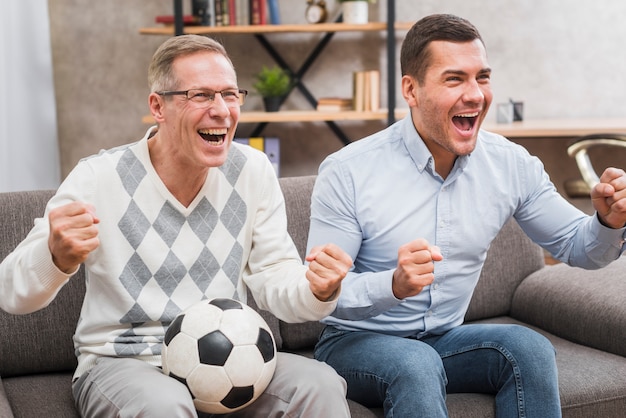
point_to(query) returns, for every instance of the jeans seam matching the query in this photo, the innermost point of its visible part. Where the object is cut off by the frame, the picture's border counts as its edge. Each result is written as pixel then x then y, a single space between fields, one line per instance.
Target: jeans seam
pixel 345 372
pixel 510 359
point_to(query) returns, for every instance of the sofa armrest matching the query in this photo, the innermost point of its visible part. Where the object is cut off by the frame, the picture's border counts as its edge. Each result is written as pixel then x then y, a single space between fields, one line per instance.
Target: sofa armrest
pixel 5 407
pixel 584 306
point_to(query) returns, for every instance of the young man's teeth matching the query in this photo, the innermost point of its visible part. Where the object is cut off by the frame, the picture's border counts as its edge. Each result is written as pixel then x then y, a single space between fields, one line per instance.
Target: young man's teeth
pixel 465 121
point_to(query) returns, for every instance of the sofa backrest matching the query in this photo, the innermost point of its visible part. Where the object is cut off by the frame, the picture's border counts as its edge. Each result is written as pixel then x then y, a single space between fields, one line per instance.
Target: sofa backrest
pixel 297 193
pixel 42 341
pixel 511 258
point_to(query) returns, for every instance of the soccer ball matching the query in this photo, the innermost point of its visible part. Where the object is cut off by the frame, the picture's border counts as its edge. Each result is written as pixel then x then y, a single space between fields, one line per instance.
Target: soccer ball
pixel 223 351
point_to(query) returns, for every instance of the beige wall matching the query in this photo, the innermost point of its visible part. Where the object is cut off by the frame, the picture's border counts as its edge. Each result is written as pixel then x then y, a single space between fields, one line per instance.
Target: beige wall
pixel 563 62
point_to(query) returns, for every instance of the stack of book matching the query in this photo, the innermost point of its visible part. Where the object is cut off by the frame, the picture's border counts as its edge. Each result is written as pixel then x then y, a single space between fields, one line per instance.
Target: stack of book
pixel 228 13
pixel 270 146
pixel 366 90
pixel 334 104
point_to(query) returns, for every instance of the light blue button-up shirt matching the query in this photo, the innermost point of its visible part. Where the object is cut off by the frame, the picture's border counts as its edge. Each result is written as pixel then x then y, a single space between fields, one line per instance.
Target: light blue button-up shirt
pixel 381 192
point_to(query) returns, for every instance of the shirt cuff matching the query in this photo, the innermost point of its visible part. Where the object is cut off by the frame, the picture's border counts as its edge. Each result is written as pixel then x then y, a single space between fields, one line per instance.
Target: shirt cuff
pixel 613 236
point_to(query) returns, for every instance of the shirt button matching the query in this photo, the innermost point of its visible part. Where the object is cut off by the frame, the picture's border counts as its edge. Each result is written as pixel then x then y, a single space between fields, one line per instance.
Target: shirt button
pixel 429 313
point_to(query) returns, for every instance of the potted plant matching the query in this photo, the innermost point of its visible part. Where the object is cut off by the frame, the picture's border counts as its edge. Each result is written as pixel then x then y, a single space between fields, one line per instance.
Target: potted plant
pixel 355 11
pixel 272 84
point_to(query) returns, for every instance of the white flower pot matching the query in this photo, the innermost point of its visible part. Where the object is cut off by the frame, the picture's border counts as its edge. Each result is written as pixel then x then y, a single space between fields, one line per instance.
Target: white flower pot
pixel 355 11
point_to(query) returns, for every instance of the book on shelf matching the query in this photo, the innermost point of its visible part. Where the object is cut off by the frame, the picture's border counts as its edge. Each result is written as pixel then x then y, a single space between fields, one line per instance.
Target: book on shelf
pixel 358 90
pixel 204 11
pixel 211 13
pixel 334 104
pixel 242 12
pixel 366 90
pixel 232 8
pixel 188 20
pixel 374 89
pixel 225 12
pixel 228 13
pixel 270 146
pixel 273 12
pixel 258 12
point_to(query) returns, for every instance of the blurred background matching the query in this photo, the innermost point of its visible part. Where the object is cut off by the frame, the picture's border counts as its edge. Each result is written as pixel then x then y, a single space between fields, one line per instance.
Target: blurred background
pixel 564 61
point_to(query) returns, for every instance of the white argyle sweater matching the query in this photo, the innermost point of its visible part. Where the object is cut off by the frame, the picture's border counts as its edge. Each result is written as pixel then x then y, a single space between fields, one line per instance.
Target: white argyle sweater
pixel 157 257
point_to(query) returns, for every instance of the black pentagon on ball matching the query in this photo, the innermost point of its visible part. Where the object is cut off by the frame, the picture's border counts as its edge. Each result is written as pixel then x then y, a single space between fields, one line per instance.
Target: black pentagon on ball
pixel 238 396
pixel 173 329
pixel 214 348
pixel 225 304
pixel 265 345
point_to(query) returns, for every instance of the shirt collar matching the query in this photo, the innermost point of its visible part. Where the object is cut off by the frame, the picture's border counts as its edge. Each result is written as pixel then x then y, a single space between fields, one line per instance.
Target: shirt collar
pixel 420 153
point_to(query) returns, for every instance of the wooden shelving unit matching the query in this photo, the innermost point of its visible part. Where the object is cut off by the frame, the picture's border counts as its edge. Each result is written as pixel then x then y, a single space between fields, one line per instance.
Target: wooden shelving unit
pixel 266 29
pixel 328 29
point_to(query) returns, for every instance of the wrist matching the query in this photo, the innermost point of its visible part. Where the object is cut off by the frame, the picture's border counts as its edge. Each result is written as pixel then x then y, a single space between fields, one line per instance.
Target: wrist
pixel 604 223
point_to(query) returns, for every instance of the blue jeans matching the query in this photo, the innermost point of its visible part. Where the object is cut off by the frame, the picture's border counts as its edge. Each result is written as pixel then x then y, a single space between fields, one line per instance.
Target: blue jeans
pixel 410 378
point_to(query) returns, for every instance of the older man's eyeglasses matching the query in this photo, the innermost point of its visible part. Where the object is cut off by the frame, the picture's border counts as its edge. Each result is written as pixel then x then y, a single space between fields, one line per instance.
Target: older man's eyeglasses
pixel 205 97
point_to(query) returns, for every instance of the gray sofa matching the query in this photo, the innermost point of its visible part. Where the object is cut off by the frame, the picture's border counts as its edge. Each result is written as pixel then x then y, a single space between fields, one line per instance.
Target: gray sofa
pixel 582 312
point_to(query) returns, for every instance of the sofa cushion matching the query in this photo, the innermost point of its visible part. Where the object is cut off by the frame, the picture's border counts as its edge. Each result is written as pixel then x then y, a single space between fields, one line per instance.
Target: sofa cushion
pixel 5 407
pixel 41 342
pixel 502 272
pixel 44 395
pixel 300 336
pixel 584 306
pixel 471 405
pixel 592 383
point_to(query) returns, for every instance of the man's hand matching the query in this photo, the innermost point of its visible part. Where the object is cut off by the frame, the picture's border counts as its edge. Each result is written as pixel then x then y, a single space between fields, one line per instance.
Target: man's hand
pixel 415 268
pixel 73 234
pixel 328 265
pixel 609 198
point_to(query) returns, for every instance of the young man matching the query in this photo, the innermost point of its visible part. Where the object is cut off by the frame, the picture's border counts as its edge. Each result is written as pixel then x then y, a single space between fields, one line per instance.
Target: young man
pixel 182 215
pixel 417 206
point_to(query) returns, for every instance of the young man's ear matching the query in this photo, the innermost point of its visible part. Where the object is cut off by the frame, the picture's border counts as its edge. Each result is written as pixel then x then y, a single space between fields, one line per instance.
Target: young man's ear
pixel 409 87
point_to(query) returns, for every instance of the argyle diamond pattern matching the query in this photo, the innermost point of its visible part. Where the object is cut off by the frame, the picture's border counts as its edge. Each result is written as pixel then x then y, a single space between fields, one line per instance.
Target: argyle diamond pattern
pixel 156 276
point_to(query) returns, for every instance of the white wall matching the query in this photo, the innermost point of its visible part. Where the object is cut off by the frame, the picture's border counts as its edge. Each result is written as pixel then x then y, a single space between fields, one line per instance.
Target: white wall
pixel 564 59
pixel 29 156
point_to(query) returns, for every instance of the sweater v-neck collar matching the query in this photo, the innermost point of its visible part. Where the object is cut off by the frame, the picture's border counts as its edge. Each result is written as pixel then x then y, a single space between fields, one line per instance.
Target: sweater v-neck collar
pixel 143 154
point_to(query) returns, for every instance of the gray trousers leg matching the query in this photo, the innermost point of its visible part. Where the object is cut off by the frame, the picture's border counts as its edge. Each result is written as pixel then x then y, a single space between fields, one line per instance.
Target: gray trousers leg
pixel 126 388
pixel 129 388
pixel 301 387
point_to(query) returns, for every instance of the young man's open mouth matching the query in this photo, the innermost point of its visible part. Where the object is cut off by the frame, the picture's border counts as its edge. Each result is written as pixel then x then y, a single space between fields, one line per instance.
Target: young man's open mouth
pixel 465 122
